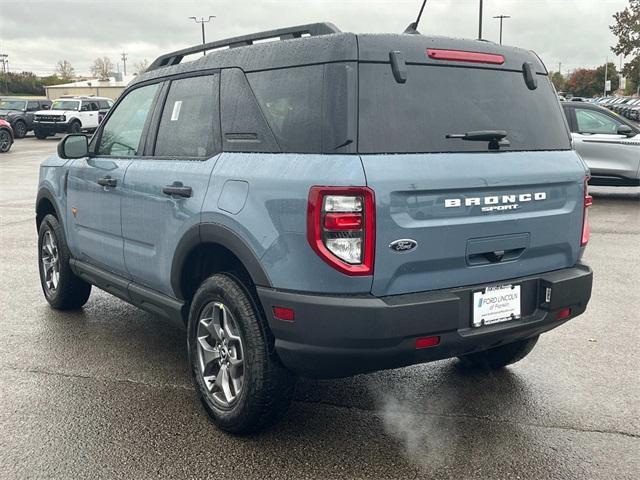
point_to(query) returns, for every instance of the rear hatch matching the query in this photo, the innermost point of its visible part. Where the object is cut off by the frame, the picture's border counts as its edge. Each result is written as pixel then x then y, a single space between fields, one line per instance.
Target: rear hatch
pixel 452 212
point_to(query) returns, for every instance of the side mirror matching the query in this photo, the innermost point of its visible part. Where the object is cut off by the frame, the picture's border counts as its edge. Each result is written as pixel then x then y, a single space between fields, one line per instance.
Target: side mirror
pixel 75 145
pixel 626 130
pixel 84 108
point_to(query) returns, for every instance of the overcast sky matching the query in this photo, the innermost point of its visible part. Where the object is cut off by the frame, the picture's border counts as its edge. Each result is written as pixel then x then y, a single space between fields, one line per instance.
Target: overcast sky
pixel 37 33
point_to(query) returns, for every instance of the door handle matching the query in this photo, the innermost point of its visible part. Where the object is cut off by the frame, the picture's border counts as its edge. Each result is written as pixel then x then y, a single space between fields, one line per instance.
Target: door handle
pixel 177 189
pixel 107 181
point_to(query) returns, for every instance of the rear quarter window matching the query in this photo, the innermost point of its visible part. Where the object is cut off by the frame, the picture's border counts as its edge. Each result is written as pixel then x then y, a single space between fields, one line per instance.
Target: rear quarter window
pixel 291 101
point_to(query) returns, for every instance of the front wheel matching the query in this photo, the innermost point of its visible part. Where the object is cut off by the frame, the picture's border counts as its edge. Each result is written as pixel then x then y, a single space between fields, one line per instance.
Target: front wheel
pixel 499 357
pixel 61 287
pixel 40 135
pixel 20 129
pixel 239 379
pixel 75 127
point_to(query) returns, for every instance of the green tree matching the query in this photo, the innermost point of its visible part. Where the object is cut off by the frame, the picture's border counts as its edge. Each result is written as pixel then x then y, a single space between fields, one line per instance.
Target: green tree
pixel 627 29
pixel 590 82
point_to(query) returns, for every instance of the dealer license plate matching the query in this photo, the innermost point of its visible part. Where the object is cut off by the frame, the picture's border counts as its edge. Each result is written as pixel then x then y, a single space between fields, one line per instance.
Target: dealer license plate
pixel 496 304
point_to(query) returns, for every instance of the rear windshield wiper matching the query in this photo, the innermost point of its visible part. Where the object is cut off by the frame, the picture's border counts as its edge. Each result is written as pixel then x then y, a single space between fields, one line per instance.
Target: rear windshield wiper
pixel 496 138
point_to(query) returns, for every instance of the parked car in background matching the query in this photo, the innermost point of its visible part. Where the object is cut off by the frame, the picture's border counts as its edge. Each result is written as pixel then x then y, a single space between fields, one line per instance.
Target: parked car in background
pixel 19 113
pixel 6 136
pixel 626 108
pixel 70 115
pixel 607 143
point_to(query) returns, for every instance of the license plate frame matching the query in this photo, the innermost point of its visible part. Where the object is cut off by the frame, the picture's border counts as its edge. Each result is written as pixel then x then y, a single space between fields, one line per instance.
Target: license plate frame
pixel 496 304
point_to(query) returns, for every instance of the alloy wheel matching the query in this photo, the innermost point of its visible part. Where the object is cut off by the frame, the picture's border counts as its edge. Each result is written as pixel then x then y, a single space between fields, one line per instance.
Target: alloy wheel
pixel 5 140
pixel 50 259
pixel 220 353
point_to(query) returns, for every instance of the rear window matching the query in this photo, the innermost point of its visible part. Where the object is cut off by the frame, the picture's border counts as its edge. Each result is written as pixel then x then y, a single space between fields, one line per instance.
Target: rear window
pixel 435 101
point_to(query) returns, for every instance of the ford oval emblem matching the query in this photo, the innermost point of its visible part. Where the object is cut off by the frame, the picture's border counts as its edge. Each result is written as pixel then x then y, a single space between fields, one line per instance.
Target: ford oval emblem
pixel 403 245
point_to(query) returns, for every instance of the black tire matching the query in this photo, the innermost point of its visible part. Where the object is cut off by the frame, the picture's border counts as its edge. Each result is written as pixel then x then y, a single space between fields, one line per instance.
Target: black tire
pixel 40 135
pixel 267 386
pixel 75 127
pixel 71 292
pixel 20 129
pixel 499 357
pixel 5 140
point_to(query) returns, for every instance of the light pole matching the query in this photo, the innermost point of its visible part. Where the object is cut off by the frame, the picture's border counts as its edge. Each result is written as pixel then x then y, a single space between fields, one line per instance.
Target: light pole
pixel 480 22
pixel 501 17
pixel 202 21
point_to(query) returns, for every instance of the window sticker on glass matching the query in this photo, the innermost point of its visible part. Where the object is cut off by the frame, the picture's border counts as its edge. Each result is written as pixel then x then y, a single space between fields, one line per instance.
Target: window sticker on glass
pixel 176 110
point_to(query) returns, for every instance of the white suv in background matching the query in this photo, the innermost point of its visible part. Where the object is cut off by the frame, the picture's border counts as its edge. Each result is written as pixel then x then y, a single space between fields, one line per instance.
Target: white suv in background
pixel 70 115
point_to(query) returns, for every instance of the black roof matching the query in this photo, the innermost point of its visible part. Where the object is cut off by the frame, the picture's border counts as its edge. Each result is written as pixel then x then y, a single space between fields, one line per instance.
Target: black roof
pixel 323 43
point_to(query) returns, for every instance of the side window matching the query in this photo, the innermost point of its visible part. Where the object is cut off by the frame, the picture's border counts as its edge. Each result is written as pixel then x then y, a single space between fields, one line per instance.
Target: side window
pixel 33 106
pixel 590 121
pixel 189 122
pixel 103 104
pixel 291 100
pixel 121 134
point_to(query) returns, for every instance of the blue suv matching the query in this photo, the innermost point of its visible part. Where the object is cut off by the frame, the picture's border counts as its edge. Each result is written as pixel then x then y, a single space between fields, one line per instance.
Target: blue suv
pixel 325 204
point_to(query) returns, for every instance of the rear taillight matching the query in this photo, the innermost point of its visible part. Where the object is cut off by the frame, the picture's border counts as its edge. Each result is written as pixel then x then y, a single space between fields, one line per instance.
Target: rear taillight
pixel 588 201
pixel 341 227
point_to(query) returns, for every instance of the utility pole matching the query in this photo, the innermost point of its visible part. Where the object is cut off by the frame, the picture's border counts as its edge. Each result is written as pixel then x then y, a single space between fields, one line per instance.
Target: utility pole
pixel 480 22
pixel 501 17
pixel 606 74
pixel 560 68
pixel 124 63
pixel 202 21
pixel 5 69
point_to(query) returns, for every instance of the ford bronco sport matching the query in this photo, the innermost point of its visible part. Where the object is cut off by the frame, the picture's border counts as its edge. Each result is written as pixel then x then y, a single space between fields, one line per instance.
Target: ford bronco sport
pixel 314 206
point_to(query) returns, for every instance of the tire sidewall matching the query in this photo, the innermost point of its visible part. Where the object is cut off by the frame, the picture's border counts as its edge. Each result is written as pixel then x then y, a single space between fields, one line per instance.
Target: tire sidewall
pixel 75 127
pixel 213 291
pixel 20 129
pixel 49 224
pixel 6 132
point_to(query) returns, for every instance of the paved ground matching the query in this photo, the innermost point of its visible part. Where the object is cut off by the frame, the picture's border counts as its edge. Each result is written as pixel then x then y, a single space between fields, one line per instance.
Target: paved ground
pixel 105 393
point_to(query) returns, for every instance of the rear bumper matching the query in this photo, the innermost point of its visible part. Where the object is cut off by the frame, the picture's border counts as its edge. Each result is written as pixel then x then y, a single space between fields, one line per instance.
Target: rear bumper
pixel 336 336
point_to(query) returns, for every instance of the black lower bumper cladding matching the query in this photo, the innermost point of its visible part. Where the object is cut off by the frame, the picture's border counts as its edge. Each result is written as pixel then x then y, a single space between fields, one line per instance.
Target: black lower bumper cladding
pixel 336 336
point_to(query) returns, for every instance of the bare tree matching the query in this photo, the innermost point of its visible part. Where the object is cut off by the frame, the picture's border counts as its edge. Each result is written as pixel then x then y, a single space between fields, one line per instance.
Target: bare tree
pixel 102 67
pixel 141 66
pixel 64 70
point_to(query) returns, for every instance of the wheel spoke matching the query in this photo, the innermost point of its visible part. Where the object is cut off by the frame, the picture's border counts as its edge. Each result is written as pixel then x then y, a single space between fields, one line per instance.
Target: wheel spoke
pixel 235 368
pixel 223 383
pixel 208 355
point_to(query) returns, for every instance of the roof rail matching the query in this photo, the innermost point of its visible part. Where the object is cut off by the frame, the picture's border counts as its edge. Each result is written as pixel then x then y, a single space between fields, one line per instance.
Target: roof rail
pixel 312 29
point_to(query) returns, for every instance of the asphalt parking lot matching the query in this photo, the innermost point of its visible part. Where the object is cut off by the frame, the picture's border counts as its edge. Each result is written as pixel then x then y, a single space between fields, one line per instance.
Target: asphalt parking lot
pixel 106 393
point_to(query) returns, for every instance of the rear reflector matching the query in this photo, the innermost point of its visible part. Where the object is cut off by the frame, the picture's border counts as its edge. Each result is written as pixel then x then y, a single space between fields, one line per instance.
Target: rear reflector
pixel 462 56
pixel 285 314
pixel 588 201
pixel 426 342
pixel 564 313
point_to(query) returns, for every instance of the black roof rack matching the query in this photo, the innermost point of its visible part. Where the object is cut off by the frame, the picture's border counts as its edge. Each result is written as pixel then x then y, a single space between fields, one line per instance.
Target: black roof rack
pixel 312 29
